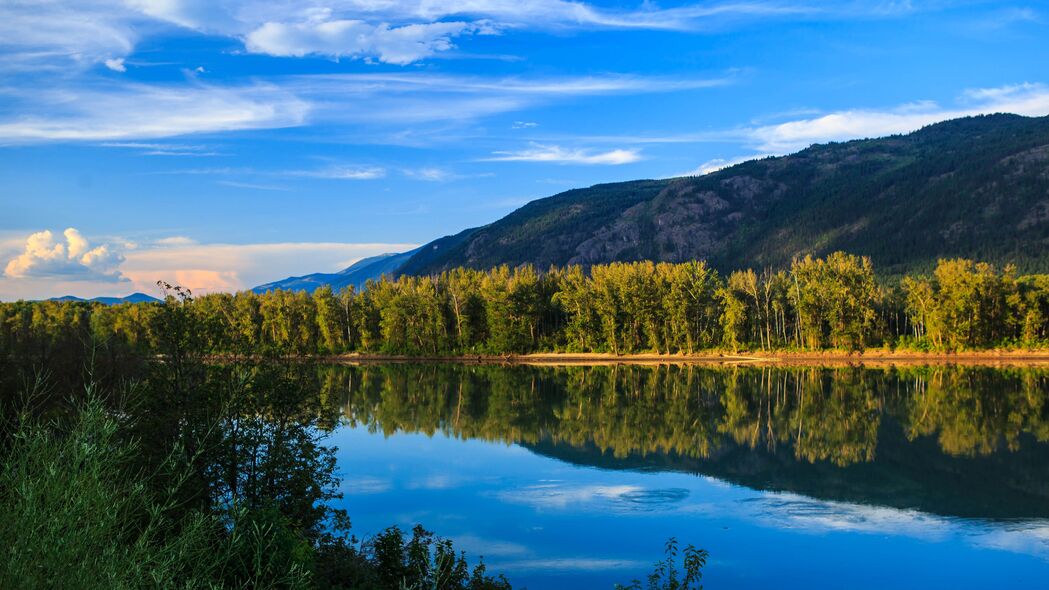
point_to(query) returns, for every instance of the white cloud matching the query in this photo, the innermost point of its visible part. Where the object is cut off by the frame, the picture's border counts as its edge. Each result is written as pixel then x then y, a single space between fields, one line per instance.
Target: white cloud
pixel 1029 99
pixel 251 185
pixel 355 39
pixel 570 564
pixel 135 111
pixel 340 172
pixel 72 259
pixel 430 174
pixel 558 495
pixel 53 33
pixel 558 155
pixel 116 64
pixel 719 164
pixel 176 241
pixel 365 485
pixel 1021 99
pixel 123 113
pixel 47 268
pixel 474 545
pixel 414 98
pixel 165 149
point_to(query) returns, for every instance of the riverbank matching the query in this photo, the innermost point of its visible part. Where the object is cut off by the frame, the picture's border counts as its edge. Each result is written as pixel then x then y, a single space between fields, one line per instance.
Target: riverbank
pixel 781 358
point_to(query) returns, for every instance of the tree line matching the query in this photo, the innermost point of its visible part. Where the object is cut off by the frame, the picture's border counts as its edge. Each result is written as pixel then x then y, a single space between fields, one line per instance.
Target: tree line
pixel 834 302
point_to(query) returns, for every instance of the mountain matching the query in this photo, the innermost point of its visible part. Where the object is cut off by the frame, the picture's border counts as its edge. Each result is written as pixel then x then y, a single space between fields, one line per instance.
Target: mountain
pixel 133 298
pixel 356 274
pixel 976 187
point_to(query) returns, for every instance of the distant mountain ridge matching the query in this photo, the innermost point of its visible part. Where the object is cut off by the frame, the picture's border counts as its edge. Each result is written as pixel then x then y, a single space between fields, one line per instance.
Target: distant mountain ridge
pixel 975 187
pixel 133 298
pixel 355 275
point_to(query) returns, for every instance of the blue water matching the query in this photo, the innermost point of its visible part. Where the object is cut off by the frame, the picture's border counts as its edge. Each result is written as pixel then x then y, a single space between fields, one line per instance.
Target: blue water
pixel 547 523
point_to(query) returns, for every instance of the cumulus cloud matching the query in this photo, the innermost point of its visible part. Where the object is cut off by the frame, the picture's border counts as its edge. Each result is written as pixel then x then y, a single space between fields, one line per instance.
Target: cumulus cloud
pixel 71 259
pixel 558 155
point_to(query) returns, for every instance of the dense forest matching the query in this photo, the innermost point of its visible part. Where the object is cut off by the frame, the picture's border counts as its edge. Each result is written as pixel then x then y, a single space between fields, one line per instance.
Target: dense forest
pixel 835 302
pixel 976 187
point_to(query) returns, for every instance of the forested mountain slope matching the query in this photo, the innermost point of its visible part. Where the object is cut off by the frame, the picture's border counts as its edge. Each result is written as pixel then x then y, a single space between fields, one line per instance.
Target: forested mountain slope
pixel 976 187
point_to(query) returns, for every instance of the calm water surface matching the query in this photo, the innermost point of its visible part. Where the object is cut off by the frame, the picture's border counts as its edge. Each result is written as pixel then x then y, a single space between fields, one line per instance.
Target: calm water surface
pixel 801 478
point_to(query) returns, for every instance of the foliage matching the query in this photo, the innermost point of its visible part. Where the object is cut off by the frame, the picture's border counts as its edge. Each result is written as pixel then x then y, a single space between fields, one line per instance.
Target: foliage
pixel 835 302
pixel 425 562
pixel 666 575
pixel 78 513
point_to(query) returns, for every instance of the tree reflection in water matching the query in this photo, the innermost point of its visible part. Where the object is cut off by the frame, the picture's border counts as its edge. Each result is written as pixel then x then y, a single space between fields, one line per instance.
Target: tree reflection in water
pixel 947 440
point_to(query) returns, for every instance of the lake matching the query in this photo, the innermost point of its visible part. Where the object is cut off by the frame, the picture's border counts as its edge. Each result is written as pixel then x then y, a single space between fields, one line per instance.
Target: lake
pixel 574 477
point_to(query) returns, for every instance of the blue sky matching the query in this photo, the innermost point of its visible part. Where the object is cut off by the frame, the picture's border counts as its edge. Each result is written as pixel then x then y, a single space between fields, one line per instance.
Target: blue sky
pixel 226 143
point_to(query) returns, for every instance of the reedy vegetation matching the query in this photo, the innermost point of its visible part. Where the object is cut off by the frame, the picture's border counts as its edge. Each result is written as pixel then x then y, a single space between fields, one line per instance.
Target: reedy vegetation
pixel 836 302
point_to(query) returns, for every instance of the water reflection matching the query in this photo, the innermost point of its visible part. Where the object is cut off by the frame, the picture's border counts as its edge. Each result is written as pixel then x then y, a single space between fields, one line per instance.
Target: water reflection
pixel 965 442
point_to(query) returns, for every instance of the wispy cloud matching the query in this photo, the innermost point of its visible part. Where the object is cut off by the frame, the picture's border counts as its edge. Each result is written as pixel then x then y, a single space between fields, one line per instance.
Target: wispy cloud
pixel 415 97
pixel 251 185
pixel 55 35
pixel 165 149
pixel 122 112
pixel 556 494
pixel 430 174
pixel 570 564
pixel 559 155
pixel 142 111
pixel 340 172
